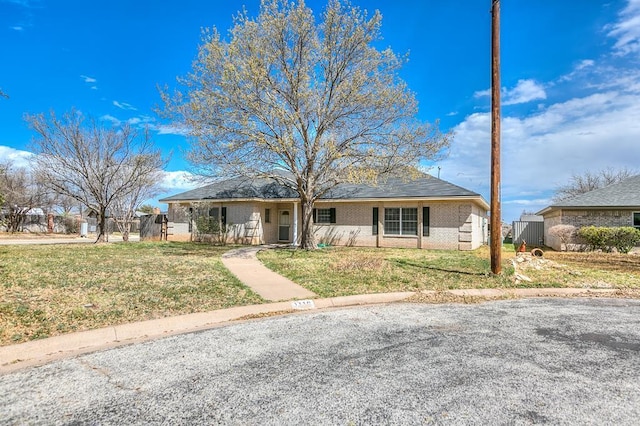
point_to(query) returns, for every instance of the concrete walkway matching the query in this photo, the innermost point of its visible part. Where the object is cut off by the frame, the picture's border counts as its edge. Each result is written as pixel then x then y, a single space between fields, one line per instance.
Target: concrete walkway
pixel 273 287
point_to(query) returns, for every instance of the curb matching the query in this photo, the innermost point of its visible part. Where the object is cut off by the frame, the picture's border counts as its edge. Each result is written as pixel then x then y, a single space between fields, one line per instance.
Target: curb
pixel 39 352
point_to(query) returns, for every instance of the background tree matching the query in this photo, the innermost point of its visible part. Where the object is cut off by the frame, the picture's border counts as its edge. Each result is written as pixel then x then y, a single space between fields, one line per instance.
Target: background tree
pixel 588 181
pixel 146 208
pixel 20 194
pixel 317 100
pixel 91 164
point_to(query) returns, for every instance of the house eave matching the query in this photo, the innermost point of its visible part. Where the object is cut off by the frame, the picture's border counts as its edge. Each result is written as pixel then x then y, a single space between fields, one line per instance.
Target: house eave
pixel 478 199
pixel 554 208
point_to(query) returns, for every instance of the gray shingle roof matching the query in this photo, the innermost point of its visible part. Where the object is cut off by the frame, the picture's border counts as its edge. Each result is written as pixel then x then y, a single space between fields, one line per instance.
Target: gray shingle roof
pixel 241 188
pixel 622 194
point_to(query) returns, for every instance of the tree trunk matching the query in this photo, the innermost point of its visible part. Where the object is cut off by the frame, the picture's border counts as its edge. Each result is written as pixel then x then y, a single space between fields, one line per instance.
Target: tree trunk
pixel 102 225
pixel 307 237
pixel 125 231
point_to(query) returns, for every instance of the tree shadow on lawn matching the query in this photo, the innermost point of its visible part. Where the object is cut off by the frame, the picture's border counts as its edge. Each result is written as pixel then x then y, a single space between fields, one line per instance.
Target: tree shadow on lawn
pixel 402 262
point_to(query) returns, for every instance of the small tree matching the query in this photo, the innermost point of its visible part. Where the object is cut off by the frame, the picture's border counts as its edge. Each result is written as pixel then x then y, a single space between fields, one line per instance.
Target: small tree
pixel 91 164
pixel 565 233
pixel 315 99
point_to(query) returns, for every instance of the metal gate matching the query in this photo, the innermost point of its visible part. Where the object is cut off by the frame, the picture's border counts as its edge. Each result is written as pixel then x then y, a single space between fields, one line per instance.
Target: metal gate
pixel 531 232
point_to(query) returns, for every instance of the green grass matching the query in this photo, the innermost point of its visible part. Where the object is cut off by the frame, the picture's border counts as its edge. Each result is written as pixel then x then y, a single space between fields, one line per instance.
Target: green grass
pixel 47 290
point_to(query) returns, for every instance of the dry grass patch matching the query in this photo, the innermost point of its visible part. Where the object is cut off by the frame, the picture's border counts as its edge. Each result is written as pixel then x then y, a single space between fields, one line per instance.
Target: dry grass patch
pixel 54 289
pixel 346 271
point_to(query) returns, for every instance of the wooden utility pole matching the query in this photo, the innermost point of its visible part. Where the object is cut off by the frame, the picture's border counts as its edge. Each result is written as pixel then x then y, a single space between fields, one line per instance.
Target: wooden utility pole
pixel 496 221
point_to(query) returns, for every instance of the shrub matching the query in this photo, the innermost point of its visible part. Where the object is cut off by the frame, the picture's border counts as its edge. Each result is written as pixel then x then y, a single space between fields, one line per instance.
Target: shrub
pixel 565 233
pixel 210 228
pixel 596 237
pixel 605 239
pixel 625 238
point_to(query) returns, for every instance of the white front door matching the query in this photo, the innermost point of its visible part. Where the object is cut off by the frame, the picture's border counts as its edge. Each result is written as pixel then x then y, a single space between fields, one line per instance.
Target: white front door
pixel 284 224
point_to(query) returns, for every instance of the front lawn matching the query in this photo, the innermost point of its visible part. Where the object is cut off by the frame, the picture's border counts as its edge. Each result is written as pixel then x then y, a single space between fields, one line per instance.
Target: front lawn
pixel 345 271
pixel 54 289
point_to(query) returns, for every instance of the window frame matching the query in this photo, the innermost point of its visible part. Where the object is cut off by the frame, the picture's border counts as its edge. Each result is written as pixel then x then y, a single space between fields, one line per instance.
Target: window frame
pixel 331 218
pixel 401 218
pixel 633 220
pixel 267 215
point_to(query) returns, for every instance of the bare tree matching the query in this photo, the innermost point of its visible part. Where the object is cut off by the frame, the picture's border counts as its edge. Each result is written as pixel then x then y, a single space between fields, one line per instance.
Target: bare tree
pixel 91 164
pixel 20 195
pixel 588 181
pixel 317 100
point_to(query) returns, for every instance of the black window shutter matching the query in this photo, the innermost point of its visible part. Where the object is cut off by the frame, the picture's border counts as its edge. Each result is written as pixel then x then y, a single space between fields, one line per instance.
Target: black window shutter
pixel 224 215
pixel 332 213
pixel 425 221
pixel 375 221
pixel 315 215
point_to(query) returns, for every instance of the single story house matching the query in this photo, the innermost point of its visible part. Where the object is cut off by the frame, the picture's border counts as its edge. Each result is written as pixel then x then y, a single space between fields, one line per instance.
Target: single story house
pixel 611 206
pixel 424 213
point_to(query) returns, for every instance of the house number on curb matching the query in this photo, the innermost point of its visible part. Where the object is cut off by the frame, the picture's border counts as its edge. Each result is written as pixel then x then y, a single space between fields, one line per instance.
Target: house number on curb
pixel 303 304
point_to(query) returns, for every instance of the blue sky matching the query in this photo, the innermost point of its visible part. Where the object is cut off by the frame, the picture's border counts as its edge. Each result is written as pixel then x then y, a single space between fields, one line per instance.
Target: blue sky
pixel 570 77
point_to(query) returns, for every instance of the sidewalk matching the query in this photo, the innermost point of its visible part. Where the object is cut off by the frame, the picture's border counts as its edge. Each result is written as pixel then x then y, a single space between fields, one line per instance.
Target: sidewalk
pixel 273 287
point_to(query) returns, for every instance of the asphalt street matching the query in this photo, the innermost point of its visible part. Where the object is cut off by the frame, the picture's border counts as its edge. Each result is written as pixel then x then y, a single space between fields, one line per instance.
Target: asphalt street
pixel 559 361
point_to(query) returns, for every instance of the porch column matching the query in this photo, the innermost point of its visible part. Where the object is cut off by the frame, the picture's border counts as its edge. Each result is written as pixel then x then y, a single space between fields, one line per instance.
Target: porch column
pixel 295 224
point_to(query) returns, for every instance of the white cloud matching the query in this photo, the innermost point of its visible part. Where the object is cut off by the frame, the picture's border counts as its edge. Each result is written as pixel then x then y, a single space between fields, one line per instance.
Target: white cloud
pixel 482 93
pixel 626 30
pixel 585 63
pixel 125 106
pixel 179 181
pixel 88 79
pixel 525 91
pixel 17 28
pixel 542 151
pixel 452 113
pixel 172 129
pixel 15 157
pixel 110 118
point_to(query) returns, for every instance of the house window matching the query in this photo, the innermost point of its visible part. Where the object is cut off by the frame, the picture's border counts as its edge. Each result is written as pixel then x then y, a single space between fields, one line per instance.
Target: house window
pixel 636 220
pixel 401 221
pixel 218 214
pixel 425 221
pixel 324 215
pixel 267 215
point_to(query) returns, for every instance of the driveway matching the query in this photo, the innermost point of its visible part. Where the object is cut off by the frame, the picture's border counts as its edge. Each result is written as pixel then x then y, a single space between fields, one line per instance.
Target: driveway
pixel 559 361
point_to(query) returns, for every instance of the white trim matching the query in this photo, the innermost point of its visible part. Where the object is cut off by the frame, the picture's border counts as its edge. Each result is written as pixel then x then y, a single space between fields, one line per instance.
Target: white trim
pixel 295 224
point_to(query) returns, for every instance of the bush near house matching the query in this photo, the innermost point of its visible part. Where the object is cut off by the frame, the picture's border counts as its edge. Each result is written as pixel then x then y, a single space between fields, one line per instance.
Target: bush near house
pixel 623 239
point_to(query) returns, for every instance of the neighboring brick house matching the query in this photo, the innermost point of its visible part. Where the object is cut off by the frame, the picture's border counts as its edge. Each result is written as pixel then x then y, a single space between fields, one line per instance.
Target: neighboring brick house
pixel 613 205
pixel 422 213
